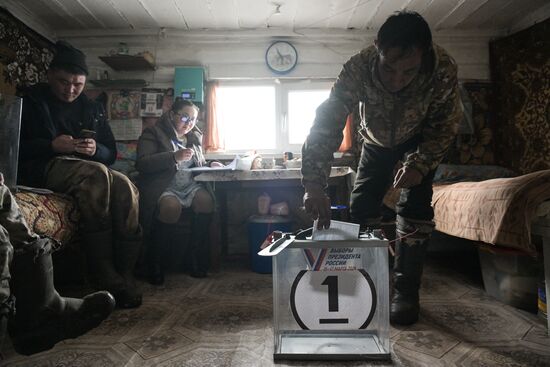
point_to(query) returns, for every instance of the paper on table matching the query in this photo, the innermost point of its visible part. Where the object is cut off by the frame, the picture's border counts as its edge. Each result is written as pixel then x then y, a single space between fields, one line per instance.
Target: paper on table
pixel 229 167
pixel 337 231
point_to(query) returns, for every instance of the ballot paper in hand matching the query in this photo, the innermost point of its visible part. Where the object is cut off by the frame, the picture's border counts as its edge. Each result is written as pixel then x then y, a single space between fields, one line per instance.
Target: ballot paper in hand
pixel 337 258
pixel 336 232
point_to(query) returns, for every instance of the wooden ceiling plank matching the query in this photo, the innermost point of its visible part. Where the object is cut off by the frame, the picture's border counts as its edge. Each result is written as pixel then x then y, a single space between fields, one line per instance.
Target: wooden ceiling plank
pixel 253 14
pixel 513 12
pixel 482 14
pixel 103 11
pixel 225 14
pixel 437 10
pixel 50 13
pixel 341 12
pixel 462 11
pixel 312 14
pixel 166 13
pixel 364 11
pixel 419 6
pixel 29 17
pixel 91 14
pixel 284 20
pixel 198 15
pixel 386 9
pixel 135 12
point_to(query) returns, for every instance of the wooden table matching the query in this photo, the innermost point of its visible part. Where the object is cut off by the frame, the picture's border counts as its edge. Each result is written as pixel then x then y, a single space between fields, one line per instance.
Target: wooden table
pixel 340 184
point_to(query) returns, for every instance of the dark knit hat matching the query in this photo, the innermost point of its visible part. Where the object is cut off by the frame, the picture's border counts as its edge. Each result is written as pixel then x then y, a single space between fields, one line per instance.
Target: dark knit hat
pixel 69 59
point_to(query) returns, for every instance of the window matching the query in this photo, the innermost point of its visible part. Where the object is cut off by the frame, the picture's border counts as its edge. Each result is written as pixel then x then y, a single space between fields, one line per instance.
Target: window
pixel 268 117
pixel 246 117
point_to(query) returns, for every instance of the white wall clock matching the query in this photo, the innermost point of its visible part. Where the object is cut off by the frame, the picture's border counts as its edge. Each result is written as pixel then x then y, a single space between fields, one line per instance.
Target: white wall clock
pixel 281 57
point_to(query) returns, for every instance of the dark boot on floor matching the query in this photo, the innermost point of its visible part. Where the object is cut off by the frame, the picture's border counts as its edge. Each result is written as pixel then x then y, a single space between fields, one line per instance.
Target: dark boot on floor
pixel 44 318
pixel 100 257
pixel 407 273
pixel 198 254
pixel 158 252
pixel 126 256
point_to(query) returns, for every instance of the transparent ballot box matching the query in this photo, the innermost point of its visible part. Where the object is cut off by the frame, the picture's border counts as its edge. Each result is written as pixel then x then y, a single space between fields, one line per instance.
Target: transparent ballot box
pixel 330 299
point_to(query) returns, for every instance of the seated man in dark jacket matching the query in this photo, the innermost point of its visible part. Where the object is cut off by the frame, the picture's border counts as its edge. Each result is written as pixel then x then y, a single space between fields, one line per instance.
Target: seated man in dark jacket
pixel 66 145
pixel 42 316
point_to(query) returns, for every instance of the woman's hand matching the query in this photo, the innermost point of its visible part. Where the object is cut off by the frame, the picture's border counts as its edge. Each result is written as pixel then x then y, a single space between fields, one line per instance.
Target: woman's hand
pixel 184 154
pixel 216 164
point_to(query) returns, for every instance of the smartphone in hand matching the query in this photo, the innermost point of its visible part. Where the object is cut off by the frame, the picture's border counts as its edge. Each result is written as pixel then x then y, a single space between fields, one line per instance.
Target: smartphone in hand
pixel 86 134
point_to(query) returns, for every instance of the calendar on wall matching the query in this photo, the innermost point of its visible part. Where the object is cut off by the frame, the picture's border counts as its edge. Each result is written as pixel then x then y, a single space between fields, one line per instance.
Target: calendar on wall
pixel 151 102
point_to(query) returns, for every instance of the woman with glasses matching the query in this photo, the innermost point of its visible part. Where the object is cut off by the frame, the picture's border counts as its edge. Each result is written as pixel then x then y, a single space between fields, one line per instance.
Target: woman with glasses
pixel 164 153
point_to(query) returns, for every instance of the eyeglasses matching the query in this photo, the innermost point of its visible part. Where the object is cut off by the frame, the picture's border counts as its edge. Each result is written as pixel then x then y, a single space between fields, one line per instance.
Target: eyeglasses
pixel 186 119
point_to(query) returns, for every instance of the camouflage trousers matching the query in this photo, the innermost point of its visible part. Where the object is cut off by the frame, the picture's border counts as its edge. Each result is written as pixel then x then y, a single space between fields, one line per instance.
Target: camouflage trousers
pixel 107 199
pixel 375 175
pixel 15 237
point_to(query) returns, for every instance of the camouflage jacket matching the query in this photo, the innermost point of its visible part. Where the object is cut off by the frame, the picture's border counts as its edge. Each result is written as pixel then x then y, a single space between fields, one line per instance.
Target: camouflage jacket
pixel 430 105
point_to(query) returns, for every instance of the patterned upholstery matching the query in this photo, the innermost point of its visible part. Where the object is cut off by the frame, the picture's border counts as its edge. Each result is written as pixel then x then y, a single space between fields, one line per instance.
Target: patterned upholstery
pixel 52 215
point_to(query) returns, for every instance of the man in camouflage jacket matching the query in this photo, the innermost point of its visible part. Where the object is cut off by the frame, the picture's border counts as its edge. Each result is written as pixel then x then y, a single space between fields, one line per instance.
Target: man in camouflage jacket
pixel 405 88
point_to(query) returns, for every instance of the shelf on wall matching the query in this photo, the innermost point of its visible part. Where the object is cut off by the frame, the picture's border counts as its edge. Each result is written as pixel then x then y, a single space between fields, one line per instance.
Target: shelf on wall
pixel 119 83
pixel 128 62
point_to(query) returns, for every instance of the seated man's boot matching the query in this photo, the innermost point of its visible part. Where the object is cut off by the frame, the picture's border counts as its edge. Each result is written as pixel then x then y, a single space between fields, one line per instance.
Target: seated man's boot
pixel 198 254
pixel 100 257
pixel 44 318
pixel 407 273
pixel 126 256
pixel 7 310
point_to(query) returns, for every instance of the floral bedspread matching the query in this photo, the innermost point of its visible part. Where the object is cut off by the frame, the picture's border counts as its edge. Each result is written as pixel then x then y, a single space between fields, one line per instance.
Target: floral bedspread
pixel 497 211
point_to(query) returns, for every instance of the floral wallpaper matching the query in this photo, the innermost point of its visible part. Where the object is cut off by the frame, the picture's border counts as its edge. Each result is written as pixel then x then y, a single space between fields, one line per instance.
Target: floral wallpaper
pixel 520 68
pixel 24 54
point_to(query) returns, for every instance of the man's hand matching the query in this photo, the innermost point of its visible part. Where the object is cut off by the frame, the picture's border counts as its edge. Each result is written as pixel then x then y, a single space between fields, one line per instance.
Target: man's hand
pixel 63 144
pixel 85 146
pixel 184 154
pixel 407 177
pixel 317 205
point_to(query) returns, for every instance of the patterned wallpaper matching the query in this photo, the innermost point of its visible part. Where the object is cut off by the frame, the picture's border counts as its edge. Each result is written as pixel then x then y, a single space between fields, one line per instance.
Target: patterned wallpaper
pixel 476 148
pixel 520 68
pixel 24 54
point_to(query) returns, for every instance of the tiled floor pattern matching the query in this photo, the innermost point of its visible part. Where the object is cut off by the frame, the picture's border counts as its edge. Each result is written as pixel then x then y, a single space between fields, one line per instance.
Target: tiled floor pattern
pixel 226 320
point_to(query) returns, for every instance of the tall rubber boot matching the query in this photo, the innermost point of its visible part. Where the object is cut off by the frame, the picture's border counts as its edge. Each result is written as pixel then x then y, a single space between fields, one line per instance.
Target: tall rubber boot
pixel 158 252
pixel 126 256
pixel 7 310
pixel 44 318
pixel 198 255
pixel 407 273
pixel 100 257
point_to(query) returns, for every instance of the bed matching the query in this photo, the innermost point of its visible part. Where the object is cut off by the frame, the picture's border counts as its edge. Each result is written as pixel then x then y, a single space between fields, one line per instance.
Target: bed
pixel 478 204
pixel 488 204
